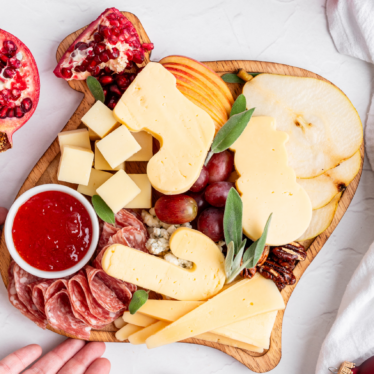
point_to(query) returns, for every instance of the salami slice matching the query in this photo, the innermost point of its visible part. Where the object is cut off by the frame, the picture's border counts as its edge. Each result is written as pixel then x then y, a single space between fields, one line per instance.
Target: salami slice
pixel 61 316
pixel 38 291
pixel 131 237
pixel 99 258
pixel 17 303
pixel 106 233
pixel 136 214
pixel 124 219
pixel 55 287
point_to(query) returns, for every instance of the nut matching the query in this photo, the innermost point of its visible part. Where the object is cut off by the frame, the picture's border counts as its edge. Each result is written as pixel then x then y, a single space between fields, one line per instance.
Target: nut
pixel 290 252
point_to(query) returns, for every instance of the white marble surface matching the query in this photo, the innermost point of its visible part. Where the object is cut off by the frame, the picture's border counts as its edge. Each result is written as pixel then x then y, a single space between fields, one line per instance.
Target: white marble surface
pixel 292 32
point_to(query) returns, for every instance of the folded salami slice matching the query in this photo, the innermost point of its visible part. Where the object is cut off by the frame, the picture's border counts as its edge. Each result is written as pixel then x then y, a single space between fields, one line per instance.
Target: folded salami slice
pixel 17 303
pixel 107 232
pixel 125 218
pixel 38 291
pixel 60 316
pixel 55 287
pixel 131 237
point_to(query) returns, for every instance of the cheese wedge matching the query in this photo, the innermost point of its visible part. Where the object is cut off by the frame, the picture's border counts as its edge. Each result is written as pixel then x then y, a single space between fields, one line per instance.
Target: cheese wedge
pixel 203 281
pixel 268 185
pixel 152 103
pixel 248 298
pixel 141 336
pixel 138 319
pixel 124 333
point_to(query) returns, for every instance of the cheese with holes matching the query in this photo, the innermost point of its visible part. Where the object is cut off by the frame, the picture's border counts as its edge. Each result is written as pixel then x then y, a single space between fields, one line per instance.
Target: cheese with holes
pixel 204 280
pixel 138 319
pixel 76 138
pixel 75 165
pixel 100 119
pixel 145 140
pixel 144 199
pixel 97 178
pixel 246 299
pixel 118 146
pixel 124 333
pixel 118 191
pixel 268 185
pixel 153 103
pixel 141 336
pixel 102 164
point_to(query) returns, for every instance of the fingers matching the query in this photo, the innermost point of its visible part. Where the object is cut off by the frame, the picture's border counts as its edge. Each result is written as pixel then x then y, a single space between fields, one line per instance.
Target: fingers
pixel 99 366
pixel 53 361
pixel 20 359
pixel 83 359
pixel 3 214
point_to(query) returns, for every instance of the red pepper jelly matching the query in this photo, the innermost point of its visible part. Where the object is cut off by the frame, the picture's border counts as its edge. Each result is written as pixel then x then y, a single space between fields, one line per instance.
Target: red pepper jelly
pixel 52 231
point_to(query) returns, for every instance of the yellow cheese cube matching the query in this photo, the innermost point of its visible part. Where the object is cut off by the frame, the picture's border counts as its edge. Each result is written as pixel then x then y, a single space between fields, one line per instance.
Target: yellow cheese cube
pixel 99 119
pixel 92 134
pixel 76 138
pixel 118 146
pixel 75 165
pixel 145 140
pixel 118 190
pixel 144 199
pixel 126 331
pixel 97 178
pixel 101 163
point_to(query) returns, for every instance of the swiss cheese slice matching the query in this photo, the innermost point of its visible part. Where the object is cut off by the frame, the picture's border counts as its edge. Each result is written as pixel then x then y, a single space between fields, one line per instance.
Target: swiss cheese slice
pixel 203 281
pixel 248 298
pixel 268 185
pixel 153 103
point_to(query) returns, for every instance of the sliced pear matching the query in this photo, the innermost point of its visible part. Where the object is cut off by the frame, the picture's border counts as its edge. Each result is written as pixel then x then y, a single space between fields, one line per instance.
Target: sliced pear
pixel 323 126
pixel 321 219
pixel 322 189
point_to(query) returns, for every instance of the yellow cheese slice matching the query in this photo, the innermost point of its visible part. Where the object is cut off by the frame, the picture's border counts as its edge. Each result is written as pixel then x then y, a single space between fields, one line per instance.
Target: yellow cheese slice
pixel 138 319
pixel 141 336
pixel 119 323
pixel 268 185
pixel 124 333
pixel 248 298
pixel 203 281
pixel 152 103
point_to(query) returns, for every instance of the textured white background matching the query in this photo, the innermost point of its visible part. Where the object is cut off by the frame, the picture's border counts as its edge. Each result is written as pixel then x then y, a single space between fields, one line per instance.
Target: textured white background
pixel 292 32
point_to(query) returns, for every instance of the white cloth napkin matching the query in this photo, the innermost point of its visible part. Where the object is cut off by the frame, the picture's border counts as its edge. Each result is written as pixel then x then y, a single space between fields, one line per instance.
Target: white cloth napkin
pixel 351 337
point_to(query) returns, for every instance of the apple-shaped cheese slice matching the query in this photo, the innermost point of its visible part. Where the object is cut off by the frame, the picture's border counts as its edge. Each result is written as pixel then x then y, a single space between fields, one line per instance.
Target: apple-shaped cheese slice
pixel 203 281
pixel 268 185
pixel 152 103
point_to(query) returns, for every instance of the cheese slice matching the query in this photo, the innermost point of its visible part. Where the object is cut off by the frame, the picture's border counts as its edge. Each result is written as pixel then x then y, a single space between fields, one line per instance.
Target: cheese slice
pixel 144 199
pixel 138 319
pixel 204 280
pixel 97 178
pixel 93 136
pixel 77 138
pixel 248 298
pixel 153 103
pixel 102 164
pixel 124 333
pixel 119 323
pixel 268 185
pixel 145 140
pixel 141 336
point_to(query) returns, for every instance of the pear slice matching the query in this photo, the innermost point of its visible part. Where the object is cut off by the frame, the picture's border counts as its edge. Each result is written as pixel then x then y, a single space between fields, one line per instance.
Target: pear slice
pixel 322 189
pixel 321 219
pixel 323 126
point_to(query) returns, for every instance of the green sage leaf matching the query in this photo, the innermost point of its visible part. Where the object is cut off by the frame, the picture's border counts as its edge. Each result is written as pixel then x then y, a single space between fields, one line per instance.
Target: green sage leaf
pixel 239 106
pixel 234 274
pixel 231 131
pixel 232 78
pixel 229 259
pixel 95 88
pixel 102 209
pixel 238 258
pixel 139 298
pixel 232 219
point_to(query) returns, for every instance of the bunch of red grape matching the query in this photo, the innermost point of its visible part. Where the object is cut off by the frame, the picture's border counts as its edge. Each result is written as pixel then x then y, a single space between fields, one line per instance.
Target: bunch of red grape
pixel 203 205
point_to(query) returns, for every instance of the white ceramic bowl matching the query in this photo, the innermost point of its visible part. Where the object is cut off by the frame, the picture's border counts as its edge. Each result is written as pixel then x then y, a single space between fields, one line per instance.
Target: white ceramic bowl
pixel 9 237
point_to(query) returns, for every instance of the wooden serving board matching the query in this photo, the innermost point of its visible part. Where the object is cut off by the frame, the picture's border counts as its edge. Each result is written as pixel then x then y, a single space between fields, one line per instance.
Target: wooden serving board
pixel 45 171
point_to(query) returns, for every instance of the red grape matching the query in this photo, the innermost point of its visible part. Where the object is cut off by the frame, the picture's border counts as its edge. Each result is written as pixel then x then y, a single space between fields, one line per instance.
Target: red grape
pixel 176 209
pixel 200 200
pixel 216 193
pixel 202 181
pixel 210 223
pixel 220 166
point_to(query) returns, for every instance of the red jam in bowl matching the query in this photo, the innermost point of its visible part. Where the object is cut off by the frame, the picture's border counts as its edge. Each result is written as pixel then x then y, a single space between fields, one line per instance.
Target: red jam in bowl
pixel 52 231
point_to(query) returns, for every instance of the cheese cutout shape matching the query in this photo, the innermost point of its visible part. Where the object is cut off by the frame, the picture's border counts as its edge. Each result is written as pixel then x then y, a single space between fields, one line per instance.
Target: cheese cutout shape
pixel 153 103
pixel 97 178
pixel 268 185
pixel 75 165
pixel 144 199
pixel 204 280
pixel 102 164
pixel 248 298
pixel 138 319
pixel 118 191
pixel 124 333
pixel 145 140
pixel 141 336
pixel 76 138
pixel 100 119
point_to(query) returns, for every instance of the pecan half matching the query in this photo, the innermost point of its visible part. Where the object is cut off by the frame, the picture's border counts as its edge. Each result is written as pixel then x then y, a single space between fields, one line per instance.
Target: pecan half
pixel 279 274
pixel 248 273
pixel 290 252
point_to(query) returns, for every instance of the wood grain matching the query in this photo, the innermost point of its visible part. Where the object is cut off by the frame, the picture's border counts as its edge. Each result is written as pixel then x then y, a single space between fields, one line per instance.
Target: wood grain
pixel 45 172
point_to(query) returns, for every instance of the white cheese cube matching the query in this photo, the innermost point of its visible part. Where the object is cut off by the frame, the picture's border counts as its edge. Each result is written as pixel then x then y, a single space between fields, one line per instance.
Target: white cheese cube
pixel 145 140
pixel 118 146
pixel 75 165
pixel 101 163
pixel 76 138
pixel 118 191
pixel 144 199
pixel 100 119
pixel 97 178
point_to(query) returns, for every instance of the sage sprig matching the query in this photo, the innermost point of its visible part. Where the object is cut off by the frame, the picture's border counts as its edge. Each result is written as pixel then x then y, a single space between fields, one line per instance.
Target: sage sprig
pixel 233 78
pixel 232 219
pixel 239 106
pixel 102 209
pixel 96 89
pixel 139 298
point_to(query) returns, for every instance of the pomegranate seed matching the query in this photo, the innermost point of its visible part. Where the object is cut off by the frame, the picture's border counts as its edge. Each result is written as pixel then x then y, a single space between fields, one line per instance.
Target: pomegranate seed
pixel 114 53
pixel 26 105
pixel 122 81
pixel 107 70
pixel 114 89
pixel 102 28
pixel 92 44
pixel 129 65
pixel 9 73
pixel 100 47
pixel 130 55
pixel 81 46
pixel 148 46
pixel 106 80
pixel 18 112
pixel 14 63
pixel 16 94
pixel 21 85
pixel 9 46
pixel 96 71
pixel 132 77
pixel 97 60
pixel 5 94
pixel 114 23
pixel 3 112
pixel 123 21
pixel 112 103
pixel 91 66
pixel 104 57
pixel 105 91
pixel 66 73
pixel 113 40
pixel 10 113
pixel 115 31
pixel 138 57
pixel 4 58
pixel 98 37
pixel 106 33
pixel 111 16
pixel 121 38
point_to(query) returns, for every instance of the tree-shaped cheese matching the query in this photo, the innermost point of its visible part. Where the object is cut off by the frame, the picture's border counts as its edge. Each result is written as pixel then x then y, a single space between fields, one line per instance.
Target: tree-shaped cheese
pixel 152 103
pixel 268 185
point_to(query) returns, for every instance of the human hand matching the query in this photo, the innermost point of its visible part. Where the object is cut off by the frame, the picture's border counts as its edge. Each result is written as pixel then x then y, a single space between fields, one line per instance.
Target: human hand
pixel 71 357
pixel 3 214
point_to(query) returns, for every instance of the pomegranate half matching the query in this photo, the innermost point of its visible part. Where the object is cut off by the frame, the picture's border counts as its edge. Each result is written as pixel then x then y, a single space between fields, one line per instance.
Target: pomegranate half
pixel 19 87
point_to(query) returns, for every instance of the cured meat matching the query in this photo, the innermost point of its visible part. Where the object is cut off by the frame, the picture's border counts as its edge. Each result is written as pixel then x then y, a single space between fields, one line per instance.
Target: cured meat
pixel 55 287
pixel 60 315
pixel 38 291
pixel 136 214
pixel 106 233
pixel 17 303
pixel 99 258
pixel 125 218
pixel 131 237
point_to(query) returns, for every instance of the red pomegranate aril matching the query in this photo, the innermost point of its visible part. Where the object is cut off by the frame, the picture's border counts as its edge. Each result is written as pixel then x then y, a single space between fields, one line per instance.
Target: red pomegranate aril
pixel 26 105
pixel 14 63
pixel 98 37
pixel 104 57
pixel 132 77
pixel 67 73
pixel 92 44
pixel 138 57
pixel 114 89
pixel 115 31
pixel 9 46
pixel 9 73
pixel 114 53
pixel 100 47
pixel 18 112
pixel 10 113
pixel 96 71
pixel 5 93
pixel 91 66
pixel 3 112
pixel 148 46
pixel 16 93
pixel 106 80
pixel 113 40
pixel 105 91
pixel 112 103
pixel 102 28
pixel 122 81
pixel 106 33
pixel 111 16
pixel 97 59
pixel 114 22
pixel 4 58
pixel 81 46
pixel 129 54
